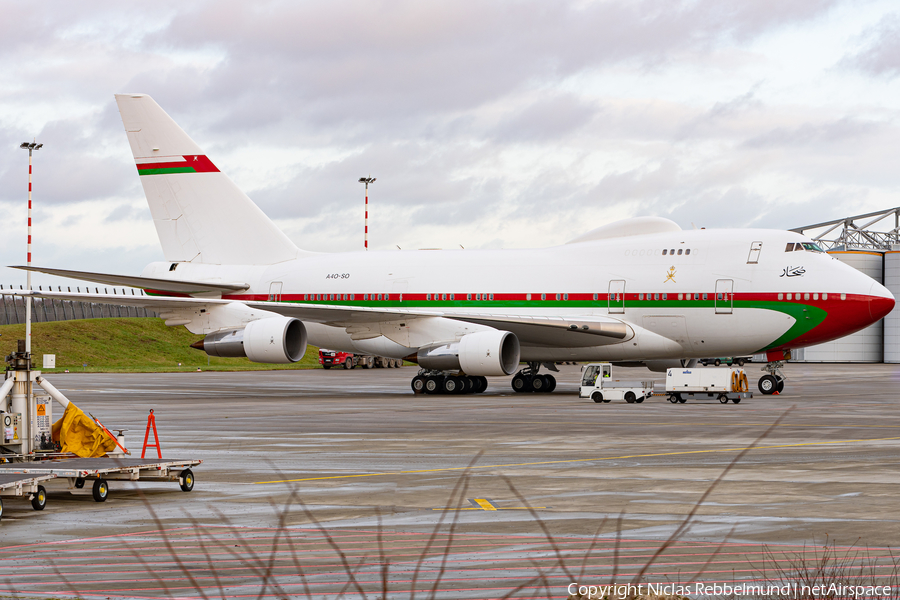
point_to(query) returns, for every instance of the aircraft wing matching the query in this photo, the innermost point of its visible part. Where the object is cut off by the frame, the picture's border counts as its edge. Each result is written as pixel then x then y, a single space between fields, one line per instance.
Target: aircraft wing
pixel 552 331
pixel 146 283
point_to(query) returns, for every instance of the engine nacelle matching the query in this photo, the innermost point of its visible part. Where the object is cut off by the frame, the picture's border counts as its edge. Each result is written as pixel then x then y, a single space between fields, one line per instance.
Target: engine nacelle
pixel 481 353
pixel 274 340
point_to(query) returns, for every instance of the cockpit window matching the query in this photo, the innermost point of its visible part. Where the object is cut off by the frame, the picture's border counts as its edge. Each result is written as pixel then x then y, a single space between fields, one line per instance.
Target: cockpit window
pixel 811 247
pixel 789 247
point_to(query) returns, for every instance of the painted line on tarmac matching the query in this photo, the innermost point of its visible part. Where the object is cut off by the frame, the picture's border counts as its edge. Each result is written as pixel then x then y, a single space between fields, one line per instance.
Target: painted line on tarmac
pixel 677 423
pixel 577 460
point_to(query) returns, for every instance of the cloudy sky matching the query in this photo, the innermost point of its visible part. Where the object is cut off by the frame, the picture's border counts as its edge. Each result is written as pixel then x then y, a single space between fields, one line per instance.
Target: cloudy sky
pixel 488 124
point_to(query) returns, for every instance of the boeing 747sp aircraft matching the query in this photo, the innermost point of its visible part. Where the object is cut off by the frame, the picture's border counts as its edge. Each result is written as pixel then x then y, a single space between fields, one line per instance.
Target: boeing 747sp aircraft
pixel 639 290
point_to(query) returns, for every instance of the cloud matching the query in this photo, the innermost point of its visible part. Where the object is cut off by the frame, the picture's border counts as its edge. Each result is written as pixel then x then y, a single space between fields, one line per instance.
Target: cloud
pixel 880 54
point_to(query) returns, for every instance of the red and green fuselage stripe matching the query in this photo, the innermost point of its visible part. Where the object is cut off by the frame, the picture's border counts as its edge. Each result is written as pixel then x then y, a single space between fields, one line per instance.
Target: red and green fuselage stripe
pixel 191 163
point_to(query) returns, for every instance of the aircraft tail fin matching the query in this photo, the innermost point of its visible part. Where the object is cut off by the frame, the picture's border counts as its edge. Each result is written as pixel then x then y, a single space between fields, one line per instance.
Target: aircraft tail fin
pixel 200 214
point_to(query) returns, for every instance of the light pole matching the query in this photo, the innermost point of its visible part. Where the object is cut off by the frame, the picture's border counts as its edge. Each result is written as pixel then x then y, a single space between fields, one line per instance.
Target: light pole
pixel 367 181
pixel 31 147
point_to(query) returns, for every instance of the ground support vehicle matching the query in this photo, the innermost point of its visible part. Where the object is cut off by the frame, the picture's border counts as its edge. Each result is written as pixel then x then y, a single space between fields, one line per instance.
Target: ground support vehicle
pixel 24 485
pixel 726 360
pixel 703 383
pixel 598 385
pixel 333 358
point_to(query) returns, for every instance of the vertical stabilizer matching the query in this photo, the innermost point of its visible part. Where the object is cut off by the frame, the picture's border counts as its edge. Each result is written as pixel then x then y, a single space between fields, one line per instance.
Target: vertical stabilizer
pixel 200 215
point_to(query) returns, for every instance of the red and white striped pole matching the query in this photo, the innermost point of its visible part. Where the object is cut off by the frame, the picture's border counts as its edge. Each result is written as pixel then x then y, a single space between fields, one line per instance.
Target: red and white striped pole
pixel 367 181
pixel 31 147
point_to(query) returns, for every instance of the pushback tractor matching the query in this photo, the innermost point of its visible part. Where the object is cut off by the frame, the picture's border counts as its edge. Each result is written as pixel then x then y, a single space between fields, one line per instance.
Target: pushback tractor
pixel 598 385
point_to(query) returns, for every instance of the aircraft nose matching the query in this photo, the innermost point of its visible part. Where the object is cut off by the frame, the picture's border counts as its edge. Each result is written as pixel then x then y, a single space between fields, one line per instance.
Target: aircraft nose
pixel 881 301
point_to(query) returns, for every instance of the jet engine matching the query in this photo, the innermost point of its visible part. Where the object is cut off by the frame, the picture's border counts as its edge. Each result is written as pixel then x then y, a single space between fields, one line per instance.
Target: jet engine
pixel 481 353
pixel 277 340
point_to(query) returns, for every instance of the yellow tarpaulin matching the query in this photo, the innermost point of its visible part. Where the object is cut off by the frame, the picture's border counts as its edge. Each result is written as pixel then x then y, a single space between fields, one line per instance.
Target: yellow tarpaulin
pixel 77 433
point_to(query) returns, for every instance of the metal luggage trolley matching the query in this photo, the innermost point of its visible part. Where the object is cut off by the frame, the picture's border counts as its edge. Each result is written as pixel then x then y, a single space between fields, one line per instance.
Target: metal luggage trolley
pixel 27 485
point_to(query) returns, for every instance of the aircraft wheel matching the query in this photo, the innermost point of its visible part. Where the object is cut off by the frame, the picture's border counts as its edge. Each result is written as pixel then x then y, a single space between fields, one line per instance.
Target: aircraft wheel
pixel 418 384
pixel 597 397
pixel 433 385
pixel 521 384
pixel 681 398
pixel 39 500
pixel 451 385
pixel 551 383
pixel 538 384
pixel 736 400
pixel 482 385
pixel 100 492
pixel 780 384
pixel 186 480
pixel 768 384
pixel 723 398
pixel 630 397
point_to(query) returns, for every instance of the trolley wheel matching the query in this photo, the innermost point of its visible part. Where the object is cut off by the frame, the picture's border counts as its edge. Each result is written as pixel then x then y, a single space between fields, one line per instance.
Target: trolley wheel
pixel 79 483
pixel 597 397
pixel 551 383
pixel 418 384
pixel 39 500
pixel 630 397
pixel 673 398
pixel 717 362
pixel 768 384
pixel 186 480
pixel 736 400
pixel 681 398
pixel 723 398
pixel 100 492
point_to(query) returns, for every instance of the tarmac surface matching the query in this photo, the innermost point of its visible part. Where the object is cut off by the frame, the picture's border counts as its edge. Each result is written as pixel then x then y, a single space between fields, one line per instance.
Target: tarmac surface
pixel 439 487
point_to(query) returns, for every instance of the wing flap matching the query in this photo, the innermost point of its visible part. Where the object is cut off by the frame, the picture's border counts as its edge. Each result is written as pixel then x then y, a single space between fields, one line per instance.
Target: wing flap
pixel 146 283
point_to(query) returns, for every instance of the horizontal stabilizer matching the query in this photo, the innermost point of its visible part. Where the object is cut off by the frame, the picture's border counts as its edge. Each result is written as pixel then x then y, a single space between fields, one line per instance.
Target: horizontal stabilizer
pixel 146 283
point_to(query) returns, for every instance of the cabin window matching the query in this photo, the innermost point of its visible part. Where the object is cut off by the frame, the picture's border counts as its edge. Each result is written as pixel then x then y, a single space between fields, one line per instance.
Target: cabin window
pixel 825 296
pixel 843 296
pixel 543 296
pixel 672 251
pixel 688 251
pixel 492 297
pixel 705 296
pixel 352 296
pixel 595 296
pixel 452 297
pixel 680 251
pixel 656 296
pixel 815 296
pixel 557 296
pixel 640 296
pixel 681 296
pixel 665 252
pixel 780 296
pixel 665 296
pixel 428 296
pixel 468 296
pixel 806 296
pixel 696 296
pixel 565 296
pixel 790 296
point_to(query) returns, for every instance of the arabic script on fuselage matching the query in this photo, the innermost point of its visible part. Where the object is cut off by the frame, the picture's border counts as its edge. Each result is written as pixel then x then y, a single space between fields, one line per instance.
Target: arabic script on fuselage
pixel 793 272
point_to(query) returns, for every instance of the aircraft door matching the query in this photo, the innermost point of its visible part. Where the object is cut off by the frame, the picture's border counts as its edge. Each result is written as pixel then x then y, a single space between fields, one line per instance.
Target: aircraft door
pixel 617 296
pixel 753 257
pixel 275 291
pixel 724 296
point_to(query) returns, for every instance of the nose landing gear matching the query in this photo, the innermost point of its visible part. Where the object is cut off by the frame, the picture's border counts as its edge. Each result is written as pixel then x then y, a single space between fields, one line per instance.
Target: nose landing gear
pixel 773 381
pixel 438 382
pixel 528 380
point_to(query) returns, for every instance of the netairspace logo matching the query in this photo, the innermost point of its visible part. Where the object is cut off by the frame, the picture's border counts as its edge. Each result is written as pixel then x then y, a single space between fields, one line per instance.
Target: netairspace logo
pixel 623 591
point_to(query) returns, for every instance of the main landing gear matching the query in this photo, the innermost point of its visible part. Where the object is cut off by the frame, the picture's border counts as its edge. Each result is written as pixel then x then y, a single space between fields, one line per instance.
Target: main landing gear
pixel 438 382
pixel 528 380
pixel 773 381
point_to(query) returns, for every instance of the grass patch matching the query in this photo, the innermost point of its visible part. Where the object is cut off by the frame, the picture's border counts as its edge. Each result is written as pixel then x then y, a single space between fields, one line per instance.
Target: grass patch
pixel 128 345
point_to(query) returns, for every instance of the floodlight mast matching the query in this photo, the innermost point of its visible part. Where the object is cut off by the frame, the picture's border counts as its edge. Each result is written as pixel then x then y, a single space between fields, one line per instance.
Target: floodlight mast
pixel 367 181
pixel 31 147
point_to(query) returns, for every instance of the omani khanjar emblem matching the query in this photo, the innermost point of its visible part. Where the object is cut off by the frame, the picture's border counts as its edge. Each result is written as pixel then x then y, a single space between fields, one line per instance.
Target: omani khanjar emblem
pixel 670 276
